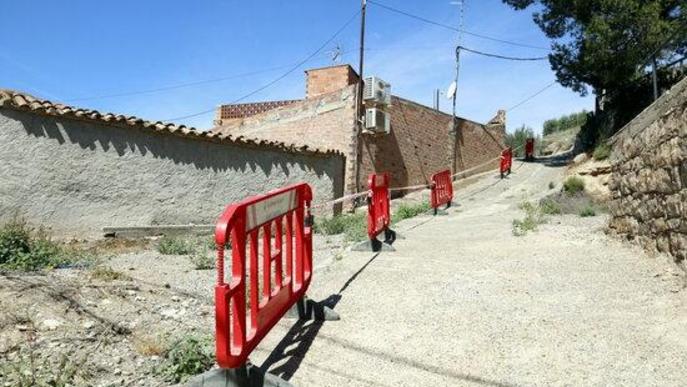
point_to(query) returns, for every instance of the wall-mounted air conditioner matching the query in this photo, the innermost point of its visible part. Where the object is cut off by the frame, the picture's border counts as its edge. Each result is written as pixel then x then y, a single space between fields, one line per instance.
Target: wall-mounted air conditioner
pixel 376 90
pixel 377 121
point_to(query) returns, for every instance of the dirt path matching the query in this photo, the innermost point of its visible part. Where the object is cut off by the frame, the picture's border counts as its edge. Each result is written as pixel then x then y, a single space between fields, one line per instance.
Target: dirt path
pixel 464 302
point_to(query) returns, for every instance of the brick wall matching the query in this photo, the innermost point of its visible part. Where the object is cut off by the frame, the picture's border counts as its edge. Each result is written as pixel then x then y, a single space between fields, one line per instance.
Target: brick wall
pixel 420 144
pixel 227 114
pixel 329 79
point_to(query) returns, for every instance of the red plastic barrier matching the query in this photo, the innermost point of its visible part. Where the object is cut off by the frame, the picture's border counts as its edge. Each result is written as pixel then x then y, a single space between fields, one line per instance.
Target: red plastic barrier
pixel 249 226
pixel 506 161
pixel 378 208
pixel 442 189
pixel 529 149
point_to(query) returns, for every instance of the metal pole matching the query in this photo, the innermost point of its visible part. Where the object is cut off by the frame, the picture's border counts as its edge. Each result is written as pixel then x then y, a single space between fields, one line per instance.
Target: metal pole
pixel 654 80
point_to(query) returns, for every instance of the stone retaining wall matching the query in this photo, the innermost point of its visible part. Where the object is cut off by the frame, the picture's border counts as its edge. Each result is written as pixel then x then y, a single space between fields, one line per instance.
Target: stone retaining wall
pixel 649 176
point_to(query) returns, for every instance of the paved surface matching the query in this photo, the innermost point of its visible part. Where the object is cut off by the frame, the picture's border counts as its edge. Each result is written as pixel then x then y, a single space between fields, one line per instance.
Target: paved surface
pixel 464 302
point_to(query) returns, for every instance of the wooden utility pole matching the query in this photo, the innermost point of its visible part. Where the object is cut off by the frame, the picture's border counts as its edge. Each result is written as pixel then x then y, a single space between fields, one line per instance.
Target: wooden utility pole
pixel 454 128
pixel 653 78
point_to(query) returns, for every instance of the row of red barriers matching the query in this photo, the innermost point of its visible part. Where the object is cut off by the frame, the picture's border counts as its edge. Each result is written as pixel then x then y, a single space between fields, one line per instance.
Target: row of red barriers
pixel 270 237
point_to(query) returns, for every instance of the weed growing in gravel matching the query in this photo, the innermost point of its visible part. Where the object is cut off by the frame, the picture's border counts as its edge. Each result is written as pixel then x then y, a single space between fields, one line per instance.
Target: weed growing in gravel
pixel 188 356
pixel 407 211
pixel 587 211
pixel 106 273
pixel 202 261
pixel 549 206
pixel 534 216
pixel 573 185
pixel 175 246
pixel 149 345
pixel 552 185
pixel 26 249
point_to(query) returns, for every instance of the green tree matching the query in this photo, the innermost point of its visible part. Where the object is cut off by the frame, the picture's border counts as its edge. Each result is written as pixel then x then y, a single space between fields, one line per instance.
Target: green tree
pixel 516 140
pixel 605 44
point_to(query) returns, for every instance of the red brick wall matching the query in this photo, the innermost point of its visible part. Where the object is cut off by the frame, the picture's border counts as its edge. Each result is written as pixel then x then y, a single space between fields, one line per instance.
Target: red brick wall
pixel 420 145
pixel 328 79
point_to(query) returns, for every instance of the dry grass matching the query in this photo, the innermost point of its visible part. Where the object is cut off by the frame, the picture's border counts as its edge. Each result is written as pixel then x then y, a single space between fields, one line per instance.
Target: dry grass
pixel 146 345
pixel 106 273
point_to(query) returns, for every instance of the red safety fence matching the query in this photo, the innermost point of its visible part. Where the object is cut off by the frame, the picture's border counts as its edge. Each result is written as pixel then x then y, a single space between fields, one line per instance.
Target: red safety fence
pixel 506 161
pixel 529 149
pixel 378 208
pixel 442 189
pixel 271 236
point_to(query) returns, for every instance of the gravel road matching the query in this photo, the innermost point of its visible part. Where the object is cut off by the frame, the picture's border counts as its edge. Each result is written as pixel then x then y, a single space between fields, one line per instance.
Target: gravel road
pixel 464 302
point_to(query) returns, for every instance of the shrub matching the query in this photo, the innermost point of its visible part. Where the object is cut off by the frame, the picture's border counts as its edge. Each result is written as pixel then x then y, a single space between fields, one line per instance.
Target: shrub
pixel 552 185
pixel 202 261
pixel 149 345
pixel 188 356
pixel 602 151
pixel 22 248
pixel 573 185
pixel 106 273
pixel 175 246
pixel 534 216
pixel 407 211
pixel 549 206
pixel 587 211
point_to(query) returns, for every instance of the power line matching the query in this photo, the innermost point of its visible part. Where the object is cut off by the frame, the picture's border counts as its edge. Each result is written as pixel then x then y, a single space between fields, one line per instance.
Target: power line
pixel 187 84
pixel 428 21
pixel 517 105
pixel 502 56
pixel 279 78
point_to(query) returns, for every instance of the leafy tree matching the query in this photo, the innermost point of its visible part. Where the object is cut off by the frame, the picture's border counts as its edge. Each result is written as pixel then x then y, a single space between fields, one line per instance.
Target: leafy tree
pixel 605 44
pixel 516 140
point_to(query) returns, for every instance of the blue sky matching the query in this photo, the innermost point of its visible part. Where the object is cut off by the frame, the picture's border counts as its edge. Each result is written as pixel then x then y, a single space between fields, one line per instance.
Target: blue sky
pixel 74 51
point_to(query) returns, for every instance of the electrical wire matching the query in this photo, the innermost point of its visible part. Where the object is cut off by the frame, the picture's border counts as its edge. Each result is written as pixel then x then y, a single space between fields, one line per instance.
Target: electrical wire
pixel 432 22
pixel 502 56
pixel 517 105
pixel 279 78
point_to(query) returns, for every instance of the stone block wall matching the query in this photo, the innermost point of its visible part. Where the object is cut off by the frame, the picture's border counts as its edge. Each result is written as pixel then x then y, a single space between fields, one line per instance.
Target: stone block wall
pixel 648 181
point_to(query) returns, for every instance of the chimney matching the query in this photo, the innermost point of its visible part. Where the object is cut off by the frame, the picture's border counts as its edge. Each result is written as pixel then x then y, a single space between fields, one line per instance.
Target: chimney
pixel 328 79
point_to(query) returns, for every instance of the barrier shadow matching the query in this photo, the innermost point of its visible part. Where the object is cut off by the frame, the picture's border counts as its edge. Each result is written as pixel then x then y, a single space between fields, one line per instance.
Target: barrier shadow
pixel 298 340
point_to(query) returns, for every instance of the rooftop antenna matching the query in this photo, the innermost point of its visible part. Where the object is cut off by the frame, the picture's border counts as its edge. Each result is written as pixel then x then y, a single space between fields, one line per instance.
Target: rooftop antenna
pixel 336 54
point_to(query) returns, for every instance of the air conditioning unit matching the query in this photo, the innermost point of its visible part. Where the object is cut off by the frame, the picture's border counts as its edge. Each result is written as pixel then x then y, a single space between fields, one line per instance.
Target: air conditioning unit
pixel 377 90
pixel 377 121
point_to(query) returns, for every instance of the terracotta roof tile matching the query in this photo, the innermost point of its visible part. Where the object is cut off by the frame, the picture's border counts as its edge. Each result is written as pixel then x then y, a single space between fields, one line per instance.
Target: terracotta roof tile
pixel 12 99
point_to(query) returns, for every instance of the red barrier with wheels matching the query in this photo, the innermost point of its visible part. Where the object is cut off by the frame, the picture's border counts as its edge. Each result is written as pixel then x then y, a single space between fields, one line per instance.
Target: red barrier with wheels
pixel 287 258
pixel 378 208
pixel 529 149
pixel 442 190
pixel 506 162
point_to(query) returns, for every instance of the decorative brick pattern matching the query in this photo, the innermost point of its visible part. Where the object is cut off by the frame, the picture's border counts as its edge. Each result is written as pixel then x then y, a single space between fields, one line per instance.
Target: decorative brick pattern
pixel 227 113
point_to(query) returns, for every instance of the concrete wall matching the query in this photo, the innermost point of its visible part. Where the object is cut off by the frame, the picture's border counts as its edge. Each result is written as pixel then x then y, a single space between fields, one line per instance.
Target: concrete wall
pixel 78 176
pixel 648 179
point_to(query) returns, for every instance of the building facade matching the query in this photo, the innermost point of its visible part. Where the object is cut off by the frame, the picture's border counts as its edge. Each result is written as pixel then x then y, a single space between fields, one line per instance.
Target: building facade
pixel 421 140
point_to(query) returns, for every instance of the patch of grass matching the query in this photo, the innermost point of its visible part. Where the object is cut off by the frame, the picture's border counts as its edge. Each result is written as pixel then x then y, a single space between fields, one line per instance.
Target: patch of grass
pixel 602 151
pixel 106 273
pixel 552 185
pixel 202 261
pixel 26 249
pixel 407 211
pixel 188 356
pixel 175 246
pixel 587 211
pixel 353 226
pixel 534 216
pixel 29 369
pixel 573 185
